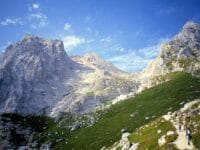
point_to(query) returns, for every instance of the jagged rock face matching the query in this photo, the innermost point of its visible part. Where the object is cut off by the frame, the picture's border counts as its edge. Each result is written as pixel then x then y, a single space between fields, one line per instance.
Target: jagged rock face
pixel 182 53
pixel 37 76
pixel 184 50
pixel 31 75
pixel 36 73
pixel 104 76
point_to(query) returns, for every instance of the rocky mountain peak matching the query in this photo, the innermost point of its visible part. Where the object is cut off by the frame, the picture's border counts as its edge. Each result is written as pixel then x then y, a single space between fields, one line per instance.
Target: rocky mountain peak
pixel 185 45
pixel 190 34
pixel 181 53
pixel 92 56
pixel 31 70
pixel 36 43
pixel 191 26
pixel 95 61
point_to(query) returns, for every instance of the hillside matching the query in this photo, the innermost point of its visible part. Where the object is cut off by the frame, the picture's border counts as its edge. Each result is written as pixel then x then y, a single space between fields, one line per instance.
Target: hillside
pixel 129 115
pixel 153 102
pixel 166 132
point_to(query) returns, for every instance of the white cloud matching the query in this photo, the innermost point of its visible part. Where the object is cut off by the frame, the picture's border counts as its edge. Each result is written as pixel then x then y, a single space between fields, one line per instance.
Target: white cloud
pixel 35 6
pixel 11 21
pixel 37 20
pixel 34 20
pixel 152 50
pixel 67 26
pixel 129 62
pixel 137 59
pixel 72 41
pixel 38 16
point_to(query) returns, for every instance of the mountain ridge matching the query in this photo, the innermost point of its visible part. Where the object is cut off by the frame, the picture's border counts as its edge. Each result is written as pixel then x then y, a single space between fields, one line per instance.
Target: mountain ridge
pixel 36 74
pixel 45 78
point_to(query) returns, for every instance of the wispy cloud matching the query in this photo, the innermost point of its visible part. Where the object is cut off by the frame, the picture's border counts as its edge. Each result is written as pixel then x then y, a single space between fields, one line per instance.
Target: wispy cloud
pixel 38 16
pixel 130 62
pixel 35 6
pixel 67 26
pixel 37 20
pixel 12 21
pixel 137 59
pixel 72 41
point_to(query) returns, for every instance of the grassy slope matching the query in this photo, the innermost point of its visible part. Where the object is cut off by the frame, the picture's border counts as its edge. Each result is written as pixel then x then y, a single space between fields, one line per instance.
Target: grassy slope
pixel 155 101
pixel 148 136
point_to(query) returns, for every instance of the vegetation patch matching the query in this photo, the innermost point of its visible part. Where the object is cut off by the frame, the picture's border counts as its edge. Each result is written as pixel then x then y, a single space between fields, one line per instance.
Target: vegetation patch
pixel 149 134
pixel 149 104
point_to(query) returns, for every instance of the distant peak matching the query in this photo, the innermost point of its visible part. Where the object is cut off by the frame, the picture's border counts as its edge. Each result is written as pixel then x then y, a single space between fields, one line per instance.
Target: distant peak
pixel 191 25
pixel 93 54
pixel 31 36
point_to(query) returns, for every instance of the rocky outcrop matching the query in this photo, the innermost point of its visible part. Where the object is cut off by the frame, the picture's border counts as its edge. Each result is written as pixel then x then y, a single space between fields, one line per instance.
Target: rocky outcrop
pixel 123 144
pixel 182 53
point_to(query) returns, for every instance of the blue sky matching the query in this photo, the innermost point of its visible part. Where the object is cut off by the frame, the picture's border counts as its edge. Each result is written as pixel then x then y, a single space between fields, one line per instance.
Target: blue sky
pixel 125 32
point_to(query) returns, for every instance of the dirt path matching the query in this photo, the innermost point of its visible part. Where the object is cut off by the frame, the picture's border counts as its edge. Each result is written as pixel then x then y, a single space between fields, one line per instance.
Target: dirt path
pixel 181 142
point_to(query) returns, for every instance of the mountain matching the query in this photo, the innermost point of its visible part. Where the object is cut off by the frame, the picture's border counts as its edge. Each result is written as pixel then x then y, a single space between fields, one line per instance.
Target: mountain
pixel 149 119
pixel 94 83
pixel 182 53
pixel 32 74
pixel 37 76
